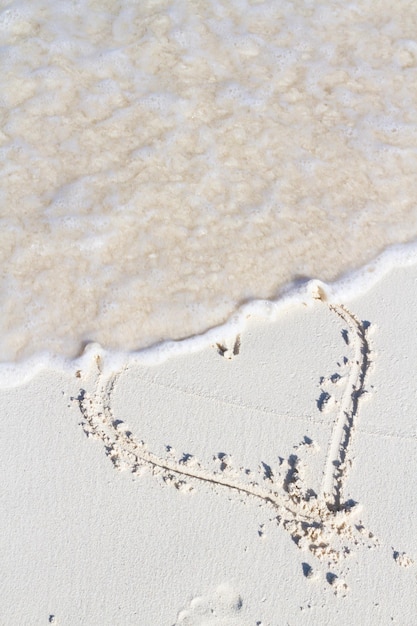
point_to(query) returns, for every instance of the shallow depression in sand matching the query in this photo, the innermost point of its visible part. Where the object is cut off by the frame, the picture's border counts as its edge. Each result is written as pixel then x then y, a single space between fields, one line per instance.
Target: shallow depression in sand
pixel 165 161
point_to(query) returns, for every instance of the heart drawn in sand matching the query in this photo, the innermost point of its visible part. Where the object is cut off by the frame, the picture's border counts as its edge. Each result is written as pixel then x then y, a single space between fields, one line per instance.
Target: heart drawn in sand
pixel 324 523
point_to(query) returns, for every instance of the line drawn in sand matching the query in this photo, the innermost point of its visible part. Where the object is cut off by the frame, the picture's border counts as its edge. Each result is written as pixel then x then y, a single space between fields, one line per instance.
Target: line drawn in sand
pixel 324 523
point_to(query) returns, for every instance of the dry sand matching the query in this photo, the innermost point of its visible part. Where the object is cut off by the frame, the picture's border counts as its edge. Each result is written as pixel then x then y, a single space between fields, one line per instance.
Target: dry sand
pixel 266 479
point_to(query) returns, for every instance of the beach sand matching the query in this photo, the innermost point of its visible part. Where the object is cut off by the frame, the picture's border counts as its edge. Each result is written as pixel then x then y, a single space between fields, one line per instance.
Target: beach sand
pixel 265 479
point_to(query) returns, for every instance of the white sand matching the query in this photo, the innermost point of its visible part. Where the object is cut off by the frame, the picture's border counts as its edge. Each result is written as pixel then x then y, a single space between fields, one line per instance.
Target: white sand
pixel 84 543
pixel 165 161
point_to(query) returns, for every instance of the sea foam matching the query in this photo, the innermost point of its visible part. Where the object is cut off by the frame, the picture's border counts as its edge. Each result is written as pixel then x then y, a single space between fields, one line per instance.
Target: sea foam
pixel 166 162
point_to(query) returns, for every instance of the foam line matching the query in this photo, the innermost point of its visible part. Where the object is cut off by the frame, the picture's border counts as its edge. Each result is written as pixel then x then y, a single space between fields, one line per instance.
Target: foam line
pixel 348 287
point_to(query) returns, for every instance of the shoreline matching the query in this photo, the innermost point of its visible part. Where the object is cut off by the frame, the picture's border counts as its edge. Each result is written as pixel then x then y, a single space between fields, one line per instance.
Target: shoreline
pixel 349 286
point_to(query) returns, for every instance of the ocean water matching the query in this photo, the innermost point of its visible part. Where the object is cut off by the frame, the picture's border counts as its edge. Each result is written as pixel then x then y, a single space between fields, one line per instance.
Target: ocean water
pixel 166 161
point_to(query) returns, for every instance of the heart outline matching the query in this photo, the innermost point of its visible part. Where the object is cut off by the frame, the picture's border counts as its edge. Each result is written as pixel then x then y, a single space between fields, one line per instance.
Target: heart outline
pixel 311 521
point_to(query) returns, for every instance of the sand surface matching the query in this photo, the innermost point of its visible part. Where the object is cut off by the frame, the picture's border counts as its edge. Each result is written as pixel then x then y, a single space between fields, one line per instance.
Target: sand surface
pixel 266 479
